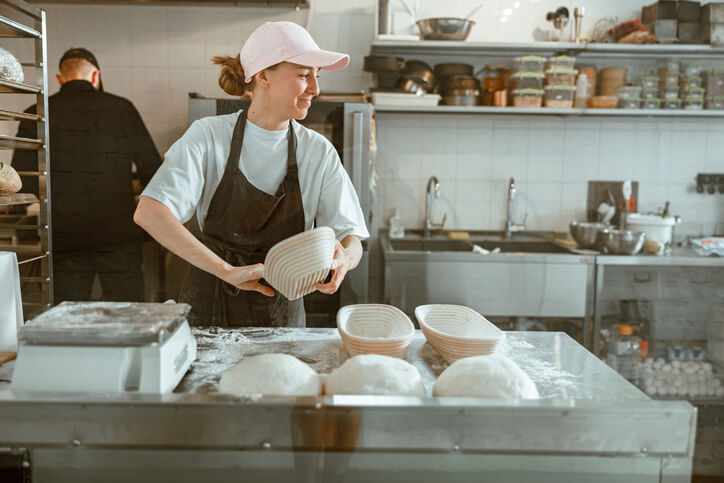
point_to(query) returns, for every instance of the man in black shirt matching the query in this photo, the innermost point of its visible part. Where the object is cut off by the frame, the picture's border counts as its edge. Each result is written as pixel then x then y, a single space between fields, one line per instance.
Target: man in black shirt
pixel 95 139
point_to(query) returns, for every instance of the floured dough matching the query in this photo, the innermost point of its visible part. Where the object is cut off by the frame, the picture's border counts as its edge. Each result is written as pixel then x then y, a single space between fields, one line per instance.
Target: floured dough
pixel 493 376
pixel 271 375
pixel 375 374
pixel 9 179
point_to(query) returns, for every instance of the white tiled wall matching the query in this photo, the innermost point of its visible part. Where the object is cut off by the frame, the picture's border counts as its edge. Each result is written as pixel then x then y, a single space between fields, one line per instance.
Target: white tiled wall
pixel 155 55
pixel 551 159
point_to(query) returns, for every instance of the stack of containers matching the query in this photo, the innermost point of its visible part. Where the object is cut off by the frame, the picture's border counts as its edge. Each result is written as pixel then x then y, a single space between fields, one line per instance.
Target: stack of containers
pixel 560 77
pixel 629 97
pixel 669 84
pixel 650 92
pixel 526 82
pixel 714 84
pixel 691 84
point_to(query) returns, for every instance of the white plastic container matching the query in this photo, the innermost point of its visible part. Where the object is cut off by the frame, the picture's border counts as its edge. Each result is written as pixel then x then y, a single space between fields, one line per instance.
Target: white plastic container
pixel 655 227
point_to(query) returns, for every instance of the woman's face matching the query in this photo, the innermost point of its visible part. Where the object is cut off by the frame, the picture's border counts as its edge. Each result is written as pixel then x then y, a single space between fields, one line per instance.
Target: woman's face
pixel 292 88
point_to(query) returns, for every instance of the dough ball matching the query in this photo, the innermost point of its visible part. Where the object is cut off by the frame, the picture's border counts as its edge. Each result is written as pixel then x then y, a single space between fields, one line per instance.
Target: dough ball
pixel 493 376
pixel 9 179
pixel 375 374
pixel 271 375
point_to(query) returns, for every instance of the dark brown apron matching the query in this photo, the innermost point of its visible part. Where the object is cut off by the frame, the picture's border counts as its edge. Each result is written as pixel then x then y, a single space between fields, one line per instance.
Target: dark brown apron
pixel 242 224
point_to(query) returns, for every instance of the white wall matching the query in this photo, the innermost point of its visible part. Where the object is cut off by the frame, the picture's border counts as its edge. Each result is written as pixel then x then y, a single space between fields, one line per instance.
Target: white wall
pixel 155 55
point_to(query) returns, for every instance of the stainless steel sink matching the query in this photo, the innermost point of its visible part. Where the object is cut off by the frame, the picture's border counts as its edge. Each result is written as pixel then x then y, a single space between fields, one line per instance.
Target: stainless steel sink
pixel 506 246
pixel 532 276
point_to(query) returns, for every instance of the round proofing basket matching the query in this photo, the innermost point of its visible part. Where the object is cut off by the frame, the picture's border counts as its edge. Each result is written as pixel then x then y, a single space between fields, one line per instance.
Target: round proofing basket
pixel 294 265
pixel 375 329
pixel 456 331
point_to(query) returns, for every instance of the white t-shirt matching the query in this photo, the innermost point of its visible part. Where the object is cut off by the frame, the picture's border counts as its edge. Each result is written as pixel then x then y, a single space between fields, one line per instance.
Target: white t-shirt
pixel 194 165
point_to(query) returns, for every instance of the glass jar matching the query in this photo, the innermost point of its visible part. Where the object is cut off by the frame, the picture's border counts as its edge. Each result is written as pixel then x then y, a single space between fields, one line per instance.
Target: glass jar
pixel 624 354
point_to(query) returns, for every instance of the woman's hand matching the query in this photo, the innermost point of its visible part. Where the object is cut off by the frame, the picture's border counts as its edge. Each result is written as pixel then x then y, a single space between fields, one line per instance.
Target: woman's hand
pixel 342 263
pixel 247 278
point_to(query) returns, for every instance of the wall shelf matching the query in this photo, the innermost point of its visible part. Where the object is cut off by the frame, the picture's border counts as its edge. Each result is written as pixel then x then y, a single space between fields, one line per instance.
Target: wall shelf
pixel 542 111
pixel 499 49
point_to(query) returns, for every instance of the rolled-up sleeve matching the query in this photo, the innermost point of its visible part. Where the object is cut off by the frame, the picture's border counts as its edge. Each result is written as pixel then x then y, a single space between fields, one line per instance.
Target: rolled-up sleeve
pixel 339 206
pixel 179 182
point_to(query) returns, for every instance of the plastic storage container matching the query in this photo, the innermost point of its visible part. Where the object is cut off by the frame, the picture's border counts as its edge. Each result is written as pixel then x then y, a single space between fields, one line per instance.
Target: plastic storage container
pixel 692 69
pixel 560 76
pixel 669 81
pixel 628 91
pixel 649 92
pixel 526 80
pixel 672 103
pixel 624 353
pixel 669 93
pixel 529 63
pixel 559 96
pixel 691 81
pixel 715 102
pixel 650 81
pixel 652 103
pixel 527 97
pixel 694 103
pixel 630 102
pixel 694 92
pixel 562 61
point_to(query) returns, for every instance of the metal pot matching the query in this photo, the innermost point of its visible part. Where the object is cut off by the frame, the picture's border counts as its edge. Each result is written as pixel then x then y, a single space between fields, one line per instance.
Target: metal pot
pixel 460 82
pixel 449 69
pixel 383 63
pixel 420 70
pixel 412 85
pixel 445 28
pixel 461 97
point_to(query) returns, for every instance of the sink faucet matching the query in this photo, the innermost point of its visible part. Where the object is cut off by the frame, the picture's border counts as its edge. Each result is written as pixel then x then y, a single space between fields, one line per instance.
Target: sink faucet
pixel 433 188
pixel 511 227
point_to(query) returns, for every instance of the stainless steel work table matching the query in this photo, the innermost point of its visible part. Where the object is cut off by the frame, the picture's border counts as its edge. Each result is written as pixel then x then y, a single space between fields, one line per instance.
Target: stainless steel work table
pixel 589 425
pixel 679 257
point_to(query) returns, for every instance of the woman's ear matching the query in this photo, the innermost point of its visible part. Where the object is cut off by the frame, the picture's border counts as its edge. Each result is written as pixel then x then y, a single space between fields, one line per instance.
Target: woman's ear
pixel 262 79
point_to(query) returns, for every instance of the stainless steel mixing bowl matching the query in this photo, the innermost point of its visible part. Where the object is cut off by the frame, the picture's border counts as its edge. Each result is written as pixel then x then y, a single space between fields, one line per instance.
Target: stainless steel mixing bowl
pixel 588 234
pixel 445 28
pixel 623 242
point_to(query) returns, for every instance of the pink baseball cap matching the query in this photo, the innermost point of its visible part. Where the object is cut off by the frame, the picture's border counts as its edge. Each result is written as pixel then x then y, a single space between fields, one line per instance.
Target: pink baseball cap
pixel 275 42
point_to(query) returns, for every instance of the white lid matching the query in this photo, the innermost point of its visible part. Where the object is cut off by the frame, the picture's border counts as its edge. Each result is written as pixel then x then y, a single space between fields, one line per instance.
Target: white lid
pixel 641 219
